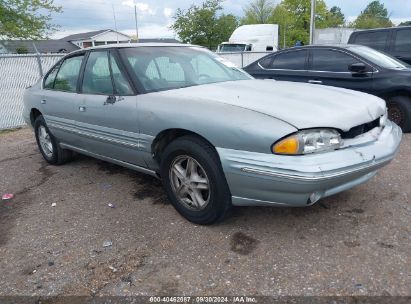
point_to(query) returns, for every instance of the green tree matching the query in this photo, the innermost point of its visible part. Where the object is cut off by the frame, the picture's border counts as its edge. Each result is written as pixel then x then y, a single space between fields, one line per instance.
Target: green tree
pixel 375 15
pixel 294 17
pixel 284 19
pixel 27 18
pixel 203 25
pixel 405 23
pixel 335 18
pixel 257 12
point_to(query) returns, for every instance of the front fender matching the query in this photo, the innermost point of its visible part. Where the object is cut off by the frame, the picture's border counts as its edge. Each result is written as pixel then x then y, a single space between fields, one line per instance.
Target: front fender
pixel 223 125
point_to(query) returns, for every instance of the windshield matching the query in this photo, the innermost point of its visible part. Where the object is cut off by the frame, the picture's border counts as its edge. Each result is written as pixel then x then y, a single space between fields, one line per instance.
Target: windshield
pixel 166 68
pixel 378 58
pixel 227 48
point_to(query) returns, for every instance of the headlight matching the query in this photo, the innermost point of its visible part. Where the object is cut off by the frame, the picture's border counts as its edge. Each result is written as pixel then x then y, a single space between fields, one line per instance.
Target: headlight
pixel 309 141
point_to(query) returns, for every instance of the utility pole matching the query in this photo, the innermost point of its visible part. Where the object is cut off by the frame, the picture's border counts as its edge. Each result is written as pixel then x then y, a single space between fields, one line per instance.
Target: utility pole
pixel 312 22
pixel 285 32
pixel 135 17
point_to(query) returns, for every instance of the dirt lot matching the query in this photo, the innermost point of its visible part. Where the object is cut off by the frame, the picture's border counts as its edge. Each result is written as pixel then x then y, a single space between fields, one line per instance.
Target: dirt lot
pixel 355 243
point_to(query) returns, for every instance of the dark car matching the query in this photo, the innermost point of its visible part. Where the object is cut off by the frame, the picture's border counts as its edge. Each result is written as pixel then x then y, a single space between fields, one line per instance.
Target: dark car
pixel 348 66
pixel 395 41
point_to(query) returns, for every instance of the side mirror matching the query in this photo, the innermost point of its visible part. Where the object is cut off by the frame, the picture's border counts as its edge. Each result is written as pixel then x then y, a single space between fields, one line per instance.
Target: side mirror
pixel 358 68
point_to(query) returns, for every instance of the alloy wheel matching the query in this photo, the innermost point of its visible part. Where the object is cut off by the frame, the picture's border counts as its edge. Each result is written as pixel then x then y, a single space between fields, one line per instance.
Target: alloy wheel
pixel 396 114
pixel 190 183
pixel 45 141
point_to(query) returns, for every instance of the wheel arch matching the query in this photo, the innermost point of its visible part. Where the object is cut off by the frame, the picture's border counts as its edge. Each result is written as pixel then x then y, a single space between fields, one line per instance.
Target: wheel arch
pixel 396 93
pixel 34 113
pixel 165 137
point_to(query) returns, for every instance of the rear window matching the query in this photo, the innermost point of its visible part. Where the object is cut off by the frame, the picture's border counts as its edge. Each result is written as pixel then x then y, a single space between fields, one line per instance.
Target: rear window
pixel 375 40
pixel 67 76
pixel 403 41
pixel 266 62
pixel 290 60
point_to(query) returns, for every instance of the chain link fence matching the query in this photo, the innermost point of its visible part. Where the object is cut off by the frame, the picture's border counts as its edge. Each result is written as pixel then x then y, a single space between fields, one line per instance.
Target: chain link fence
pixel 17 73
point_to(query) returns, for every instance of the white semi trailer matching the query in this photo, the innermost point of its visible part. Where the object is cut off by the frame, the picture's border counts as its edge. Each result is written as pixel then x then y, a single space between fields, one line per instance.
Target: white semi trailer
pixel 252 38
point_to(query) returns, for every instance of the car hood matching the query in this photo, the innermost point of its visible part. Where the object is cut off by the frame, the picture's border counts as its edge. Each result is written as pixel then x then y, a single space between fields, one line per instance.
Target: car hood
pixel 301 105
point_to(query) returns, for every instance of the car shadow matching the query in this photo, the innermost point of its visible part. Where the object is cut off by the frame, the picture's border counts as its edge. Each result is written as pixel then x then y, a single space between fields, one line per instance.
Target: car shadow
pixel 324 215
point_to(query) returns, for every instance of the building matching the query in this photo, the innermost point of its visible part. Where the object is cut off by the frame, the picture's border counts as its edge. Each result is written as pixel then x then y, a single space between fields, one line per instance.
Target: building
pixel 102 37
pixel 72 42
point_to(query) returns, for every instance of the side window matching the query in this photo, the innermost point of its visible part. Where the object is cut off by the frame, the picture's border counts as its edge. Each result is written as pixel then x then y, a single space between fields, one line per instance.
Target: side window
pixel 97 78
pixel 403 40
pixel 49 81
pixel 290 61
pixel 266 62
pixel 120 81
pixel 331 61
pixel 67 76
pixel 375 40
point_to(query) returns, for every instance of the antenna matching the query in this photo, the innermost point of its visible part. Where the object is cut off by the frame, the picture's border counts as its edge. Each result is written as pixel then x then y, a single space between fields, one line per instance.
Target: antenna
pixel 135 17
pixel 115 22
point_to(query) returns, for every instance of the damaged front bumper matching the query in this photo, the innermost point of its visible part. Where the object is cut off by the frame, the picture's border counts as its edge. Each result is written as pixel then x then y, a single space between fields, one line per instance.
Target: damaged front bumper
pixel 258 179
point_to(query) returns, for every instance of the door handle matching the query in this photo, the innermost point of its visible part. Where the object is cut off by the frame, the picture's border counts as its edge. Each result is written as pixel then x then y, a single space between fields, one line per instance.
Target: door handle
pixel 315 81
pixel 43 101
pixel 82 109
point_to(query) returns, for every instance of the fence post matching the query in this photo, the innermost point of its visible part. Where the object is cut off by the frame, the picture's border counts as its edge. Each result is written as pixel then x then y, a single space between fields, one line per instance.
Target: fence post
pixel 38 60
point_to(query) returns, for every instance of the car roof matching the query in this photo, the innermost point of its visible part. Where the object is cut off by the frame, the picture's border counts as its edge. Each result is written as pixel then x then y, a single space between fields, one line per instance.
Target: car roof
pixel 134 45
pixel 128 45
pixel 333 45
pixel 345 46
pixel 382 29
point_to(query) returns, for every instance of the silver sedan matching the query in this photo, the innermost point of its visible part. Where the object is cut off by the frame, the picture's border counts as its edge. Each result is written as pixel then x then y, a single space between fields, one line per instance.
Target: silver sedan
pixel 215 136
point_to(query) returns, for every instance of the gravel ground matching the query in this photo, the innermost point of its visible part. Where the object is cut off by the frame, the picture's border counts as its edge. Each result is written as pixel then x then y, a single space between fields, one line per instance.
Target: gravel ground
pixel 355 243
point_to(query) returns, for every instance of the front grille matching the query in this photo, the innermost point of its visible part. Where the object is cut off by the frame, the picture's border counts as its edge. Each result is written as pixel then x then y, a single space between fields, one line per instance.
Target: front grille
pixel 361 129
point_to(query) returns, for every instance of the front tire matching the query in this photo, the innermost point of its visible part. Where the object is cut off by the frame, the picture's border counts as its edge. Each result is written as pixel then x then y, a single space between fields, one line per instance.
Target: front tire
pixel 399 111
pixel 48 146
pixel 194 180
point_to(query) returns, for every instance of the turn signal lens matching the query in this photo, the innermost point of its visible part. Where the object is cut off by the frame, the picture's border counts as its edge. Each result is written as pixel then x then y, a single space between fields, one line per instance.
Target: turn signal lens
pixel 289 145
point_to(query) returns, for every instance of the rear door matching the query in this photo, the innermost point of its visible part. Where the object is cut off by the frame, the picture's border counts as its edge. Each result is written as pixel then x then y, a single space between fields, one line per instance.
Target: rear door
pixel 107 113
pixel 401 46
pixel 331 67
pixel 286 66
pixel 60 97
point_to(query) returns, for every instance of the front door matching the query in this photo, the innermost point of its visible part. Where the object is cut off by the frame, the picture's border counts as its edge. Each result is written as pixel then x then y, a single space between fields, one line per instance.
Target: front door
pixel 331 67
pixel 107 110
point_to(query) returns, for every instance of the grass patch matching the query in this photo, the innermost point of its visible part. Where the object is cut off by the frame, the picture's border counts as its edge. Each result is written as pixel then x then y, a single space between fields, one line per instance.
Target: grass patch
pixel 7 131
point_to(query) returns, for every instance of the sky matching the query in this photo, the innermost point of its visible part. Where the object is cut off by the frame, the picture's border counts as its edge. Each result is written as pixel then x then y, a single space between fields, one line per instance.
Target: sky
pixel 155 16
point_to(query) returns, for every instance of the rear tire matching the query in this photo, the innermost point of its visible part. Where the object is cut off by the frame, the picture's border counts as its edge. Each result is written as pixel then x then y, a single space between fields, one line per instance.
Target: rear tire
pixel 194 180
pixel 48 145
pixel 399 111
